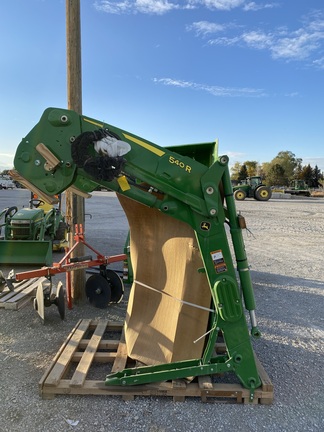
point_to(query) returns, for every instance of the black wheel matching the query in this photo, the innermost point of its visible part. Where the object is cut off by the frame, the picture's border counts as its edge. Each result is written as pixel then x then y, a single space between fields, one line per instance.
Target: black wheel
pixel 116 286
pixel 60 301
pixel 98 291
pixel 240 195
pixel 10 212
pixel 262 193
pixel 61 231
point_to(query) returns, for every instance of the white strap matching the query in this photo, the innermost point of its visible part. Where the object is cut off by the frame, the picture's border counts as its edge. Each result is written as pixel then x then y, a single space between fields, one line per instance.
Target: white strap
pixel 169 295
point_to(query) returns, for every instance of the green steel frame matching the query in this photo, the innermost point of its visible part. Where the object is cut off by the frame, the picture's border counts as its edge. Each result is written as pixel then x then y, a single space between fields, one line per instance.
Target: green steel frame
pixel 196 189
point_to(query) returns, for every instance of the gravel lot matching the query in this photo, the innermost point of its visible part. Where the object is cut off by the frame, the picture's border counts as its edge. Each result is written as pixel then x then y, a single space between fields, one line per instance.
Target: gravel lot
pixel 285 250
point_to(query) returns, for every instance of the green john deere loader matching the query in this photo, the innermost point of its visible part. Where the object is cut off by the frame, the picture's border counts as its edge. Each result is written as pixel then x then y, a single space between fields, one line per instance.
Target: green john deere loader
pixel 179 206
pixel 29 235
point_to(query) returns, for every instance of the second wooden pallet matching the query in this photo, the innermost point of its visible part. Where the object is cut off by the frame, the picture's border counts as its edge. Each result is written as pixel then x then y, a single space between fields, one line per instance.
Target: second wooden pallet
pixel 21 295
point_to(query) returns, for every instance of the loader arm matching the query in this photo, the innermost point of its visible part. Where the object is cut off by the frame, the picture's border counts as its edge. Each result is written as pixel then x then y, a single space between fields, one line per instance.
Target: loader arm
pixel 59 153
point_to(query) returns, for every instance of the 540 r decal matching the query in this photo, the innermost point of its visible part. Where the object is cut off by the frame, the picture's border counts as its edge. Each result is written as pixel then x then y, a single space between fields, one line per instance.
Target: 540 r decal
pixel 180 164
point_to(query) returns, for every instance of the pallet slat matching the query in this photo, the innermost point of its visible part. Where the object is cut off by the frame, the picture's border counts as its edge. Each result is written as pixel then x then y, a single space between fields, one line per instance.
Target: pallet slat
pixel 63 361
pixel 21 295
pixel 80 374
pixel 81 349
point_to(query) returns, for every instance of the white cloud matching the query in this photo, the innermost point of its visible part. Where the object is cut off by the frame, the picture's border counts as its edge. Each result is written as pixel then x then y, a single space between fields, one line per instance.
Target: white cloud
pixel 282 43
pixel 219 4
pixel 292 94
pixel 6 161
pixel 258 40
pixel 227 5
pixel 253 6
pixel 213 90
pixel 160 7
pixel 234 155
pixel 297 45
pixel 113 7
pixel 319 63
pixel 157 7
pixel 205 27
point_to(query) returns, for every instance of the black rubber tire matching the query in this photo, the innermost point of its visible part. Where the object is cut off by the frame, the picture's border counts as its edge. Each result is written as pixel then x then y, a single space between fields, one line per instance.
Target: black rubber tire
pixel 10 212
pixel 61 231
pixel 262 193
pixel 239 195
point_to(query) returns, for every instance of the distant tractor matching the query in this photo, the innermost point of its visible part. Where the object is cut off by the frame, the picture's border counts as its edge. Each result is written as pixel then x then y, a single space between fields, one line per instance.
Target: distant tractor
pixel 298 187
pixel 252 187
pixel 29 235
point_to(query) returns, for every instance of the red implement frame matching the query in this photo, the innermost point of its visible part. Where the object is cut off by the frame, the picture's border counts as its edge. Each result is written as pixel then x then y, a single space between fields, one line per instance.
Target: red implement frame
pixel 65 265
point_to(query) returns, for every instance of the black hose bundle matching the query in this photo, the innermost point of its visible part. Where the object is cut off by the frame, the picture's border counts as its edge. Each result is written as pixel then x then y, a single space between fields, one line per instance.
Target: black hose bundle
pixel 101 167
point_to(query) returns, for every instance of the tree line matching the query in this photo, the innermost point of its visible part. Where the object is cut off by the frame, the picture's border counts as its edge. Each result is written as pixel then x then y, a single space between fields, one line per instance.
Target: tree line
pixel 281 171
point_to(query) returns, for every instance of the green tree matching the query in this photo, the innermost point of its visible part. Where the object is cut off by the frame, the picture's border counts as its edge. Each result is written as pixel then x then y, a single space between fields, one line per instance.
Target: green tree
pixel 307 175
pixel 317 177
pixel 235 170
pixel 252 167
pixel 288 161
pixel 264 169
pixel 298 172
pixel 284 168
pixel 243 173
pixel 276 175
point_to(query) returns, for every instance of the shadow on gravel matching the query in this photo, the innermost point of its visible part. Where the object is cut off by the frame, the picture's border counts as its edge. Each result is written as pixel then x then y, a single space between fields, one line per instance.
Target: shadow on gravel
pixel 261 278
pixel 292 300
pixel 289 311
pixel 290 317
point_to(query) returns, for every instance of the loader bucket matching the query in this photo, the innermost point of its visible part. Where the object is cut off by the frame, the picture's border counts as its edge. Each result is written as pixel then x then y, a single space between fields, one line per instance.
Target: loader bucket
pixel 205 153
pixel 26 252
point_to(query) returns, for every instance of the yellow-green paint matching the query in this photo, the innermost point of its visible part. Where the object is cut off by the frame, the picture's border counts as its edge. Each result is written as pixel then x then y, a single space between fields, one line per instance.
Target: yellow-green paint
pixel 92 122
pixel 145 145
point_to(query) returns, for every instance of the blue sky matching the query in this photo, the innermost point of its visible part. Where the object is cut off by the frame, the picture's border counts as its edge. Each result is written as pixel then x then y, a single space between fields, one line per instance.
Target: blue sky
pixel 250 73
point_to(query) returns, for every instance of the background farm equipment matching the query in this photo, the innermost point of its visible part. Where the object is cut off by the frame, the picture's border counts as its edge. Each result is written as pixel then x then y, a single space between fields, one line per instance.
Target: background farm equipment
pixel 252 187
pixel 29 235
pixel 298 187
pixel 104 287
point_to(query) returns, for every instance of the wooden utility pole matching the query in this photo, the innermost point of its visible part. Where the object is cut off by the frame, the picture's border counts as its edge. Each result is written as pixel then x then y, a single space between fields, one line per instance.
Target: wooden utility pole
pixel 74 203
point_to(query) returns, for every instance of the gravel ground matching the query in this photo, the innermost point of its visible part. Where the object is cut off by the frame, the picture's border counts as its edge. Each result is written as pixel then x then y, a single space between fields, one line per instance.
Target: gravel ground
pixel 285 250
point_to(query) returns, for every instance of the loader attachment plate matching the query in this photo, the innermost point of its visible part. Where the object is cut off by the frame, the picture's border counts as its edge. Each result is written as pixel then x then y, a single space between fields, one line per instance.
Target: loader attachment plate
pixel 27 252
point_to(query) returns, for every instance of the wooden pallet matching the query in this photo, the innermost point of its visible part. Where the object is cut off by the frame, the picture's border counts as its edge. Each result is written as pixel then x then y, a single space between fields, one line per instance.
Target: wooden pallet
pixel 21 295
pixel 96 348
